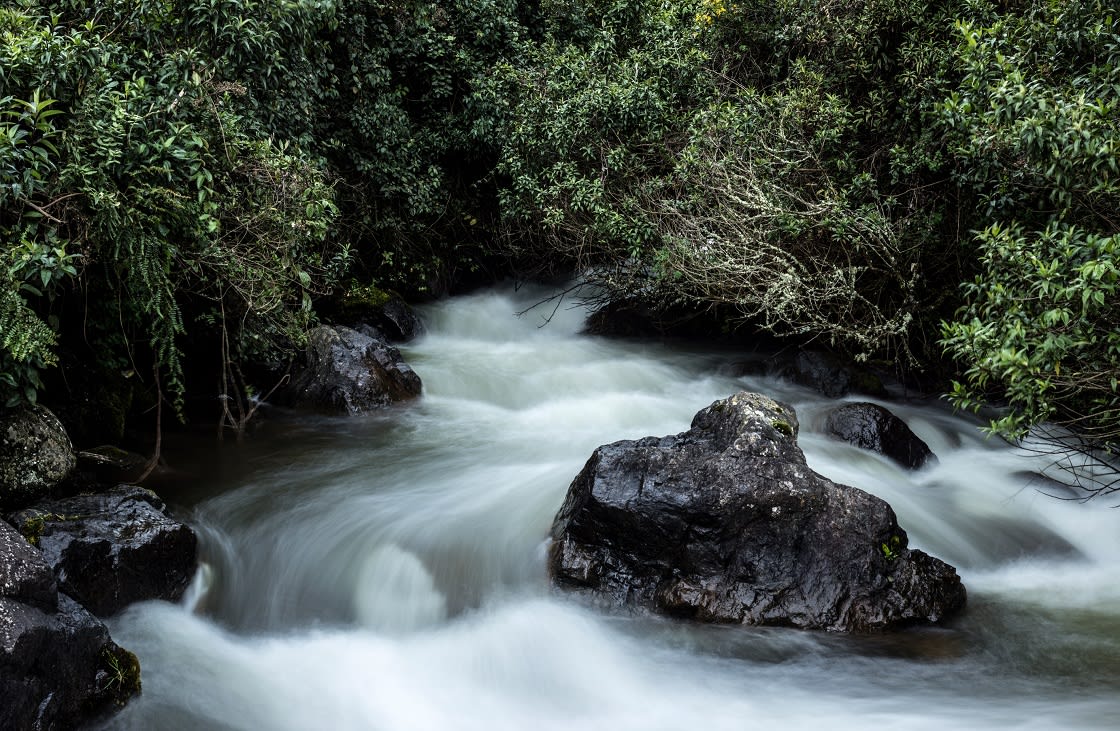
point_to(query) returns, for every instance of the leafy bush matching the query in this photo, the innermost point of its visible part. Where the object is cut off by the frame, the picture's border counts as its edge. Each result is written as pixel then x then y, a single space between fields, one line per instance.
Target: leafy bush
pixel 770 159
pixel 150 178
pixel 1036 130
pixel 1043 325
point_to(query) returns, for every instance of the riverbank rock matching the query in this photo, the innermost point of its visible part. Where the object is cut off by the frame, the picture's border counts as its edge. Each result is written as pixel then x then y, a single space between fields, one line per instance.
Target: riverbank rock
pixel 871 426
pixel 385 311
pixel 348 372
pixel 58 666
pixel 828 375
pixel 111 549
pixel 398 321
pixel 35 455
pixel 727 523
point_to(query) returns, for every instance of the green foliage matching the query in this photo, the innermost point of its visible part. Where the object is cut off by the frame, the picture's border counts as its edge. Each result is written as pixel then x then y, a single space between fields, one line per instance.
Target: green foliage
pixel 33 262
pixel 151 185
pixel 747 156
pixel 1036 130
pixel 413 130
pixel 1042 325
pixel 599 119
pixel 1035 122
pixel 195 173
pixel 891 549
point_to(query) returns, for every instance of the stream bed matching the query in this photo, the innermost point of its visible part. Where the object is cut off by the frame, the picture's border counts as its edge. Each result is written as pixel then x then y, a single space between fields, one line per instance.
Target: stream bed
pixel 388 572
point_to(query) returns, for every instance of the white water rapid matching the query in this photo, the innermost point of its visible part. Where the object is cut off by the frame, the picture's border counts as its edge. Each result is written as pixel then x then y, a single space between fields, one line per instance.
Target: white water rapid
pixel 387 572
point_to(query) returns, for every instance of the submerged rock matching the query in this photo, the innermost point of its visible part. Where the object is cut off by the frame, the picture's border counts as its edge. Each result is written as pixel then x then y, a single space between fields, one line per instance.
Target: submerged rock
pixel 35 455
pixel 873 427
pixel 348 372
pixel 110 465
pixel 111 549
pixel 727 523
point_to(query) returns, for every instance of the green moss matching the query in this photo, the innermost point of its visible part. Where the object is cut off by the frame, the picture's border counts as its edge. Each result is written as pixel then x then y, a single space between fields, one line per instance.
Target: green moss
pixel 365 295
pixel 32 528
pixel 361 301
pixel 783 427
pixel 121 670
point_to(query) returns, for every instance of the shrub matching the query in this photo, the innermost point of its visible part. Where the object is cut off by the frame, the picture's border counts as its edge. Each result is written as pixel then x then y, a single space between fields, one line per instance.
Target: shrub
pixel 1036 130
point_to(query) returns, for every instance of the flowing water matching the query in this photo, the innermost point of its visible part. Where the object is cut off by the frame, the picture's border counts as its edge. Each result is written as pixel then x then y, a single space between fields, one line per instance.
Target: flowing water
pixel 388 572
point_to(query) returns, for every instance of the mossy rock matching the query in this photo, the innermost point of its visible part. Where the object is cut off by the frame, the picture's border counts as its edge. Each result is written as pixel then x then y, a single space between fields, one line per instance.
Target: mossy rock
pixel 35 455
pixel 367 304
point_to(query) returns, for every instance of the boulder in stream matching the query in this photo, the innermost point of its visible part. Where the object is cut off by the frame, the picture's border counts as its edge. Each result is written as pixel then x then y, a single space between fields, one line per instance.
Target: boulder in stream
pixel 348 372
pixel 726 523
pixel 58 666
pixel 108 550
pixel 35 454
pixel 873 427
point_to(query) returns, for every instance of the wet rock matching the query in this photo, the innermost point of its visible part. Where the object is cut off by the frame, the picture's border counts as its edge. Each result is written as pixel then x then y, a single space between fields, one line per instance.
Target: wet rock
pixel 348 372
pixel 35 455
pixel 828 375
pixel 59 668
pixel 111 549
pixel 385 311
pixel 873 427
pixel 727 523
pixel 24 574
pixel 398 321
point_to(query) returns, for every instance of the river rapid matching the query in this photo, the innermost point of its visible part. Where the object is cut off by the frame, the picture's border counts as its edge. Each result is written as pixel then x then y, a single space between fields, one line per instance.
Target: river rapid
pixel 388 572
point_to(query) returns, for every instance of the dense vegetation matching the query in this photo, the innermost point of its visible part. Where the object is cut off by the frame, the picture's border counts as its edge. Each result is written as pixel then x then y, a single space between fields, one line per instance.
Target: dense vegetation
pixel 193 176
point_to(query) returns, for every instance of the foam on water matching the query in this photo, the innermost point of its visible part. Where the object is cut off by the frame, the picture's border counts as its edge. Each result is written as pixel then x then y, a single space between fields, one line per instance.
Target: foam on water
pixel 388 572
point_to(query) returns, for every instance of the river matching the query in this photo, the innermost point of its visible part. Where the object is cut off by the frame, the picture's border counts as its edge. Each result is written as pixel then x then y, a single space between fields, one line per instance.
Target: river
pixel 387 572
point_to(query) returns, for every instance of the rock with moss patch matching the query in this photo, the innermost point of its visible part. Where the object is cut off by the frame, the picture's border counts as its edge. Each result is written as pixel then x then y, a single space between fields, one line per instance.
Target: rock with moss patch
pixel 726 523
pixel 59 668
pixel 35 455
pixel 385 311
pixel 348 372
pixel 111 549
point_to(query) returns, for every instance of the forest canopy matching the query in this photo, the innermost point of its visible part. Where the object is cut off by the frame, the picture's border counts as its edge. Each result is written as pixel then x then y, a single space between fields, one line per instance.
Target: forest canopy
pixel 932 184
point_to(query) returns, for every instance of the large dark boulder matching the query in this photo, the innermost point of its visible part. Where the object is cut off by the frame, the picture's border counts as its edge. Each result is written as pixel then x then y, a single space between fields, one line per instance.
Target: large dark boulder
pixel 111 549
pixel 727 523
pixel 58 666
pixel 873 427
pixel 35 455
pixel 348 372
